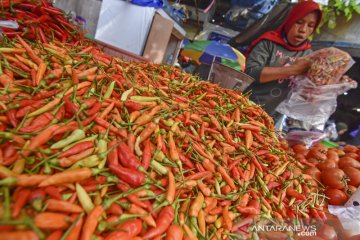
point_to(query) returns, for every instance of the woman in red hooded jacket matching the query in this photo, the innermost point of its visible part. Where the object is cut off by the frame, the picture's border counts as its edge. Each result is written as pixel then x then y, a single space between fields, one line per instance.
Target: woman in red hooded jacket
pixel 277 55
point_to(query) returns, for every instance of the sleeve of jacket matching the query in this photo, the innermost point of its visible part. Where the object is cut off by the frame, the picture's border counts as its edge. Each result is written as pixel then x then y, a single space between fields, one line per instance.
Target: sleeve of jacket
pixel 258 59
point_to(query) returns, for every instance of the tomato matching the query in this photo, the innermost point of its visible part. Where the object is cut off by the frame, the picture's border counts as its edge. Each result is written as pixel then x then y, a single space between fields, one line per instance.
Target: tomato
pixel 353 174
pixel 352 155
pixel 326 232
pixel 317 154
pixel 320 147
pixel 336 196
pixel 332 155
pixel 348 162
pixel 299 156
pixel 327 164
pixel 340 152
pixel 350 148
pixel 312 171
pixel 349 190
pixel 300 148
pixel 333 178
pixel 313 160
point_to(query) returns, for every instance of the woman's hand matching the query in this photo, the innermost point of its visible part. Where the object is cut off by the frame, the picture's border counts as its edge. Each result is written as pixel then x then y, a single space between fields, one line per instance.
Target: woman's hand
pixel 301 65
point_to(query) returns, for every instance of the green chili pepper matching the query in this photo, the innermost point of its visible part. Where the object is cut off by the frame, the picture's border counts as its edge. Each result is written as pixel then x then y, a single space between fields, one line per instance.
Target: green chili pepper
pixel 7 209
pixel 90 161
pixel 158 167
pixel 102 148
pixel 144 98
pixel 76 135
pixel 217 187
pixel 109 90
pixel 91 138
pixel 84 198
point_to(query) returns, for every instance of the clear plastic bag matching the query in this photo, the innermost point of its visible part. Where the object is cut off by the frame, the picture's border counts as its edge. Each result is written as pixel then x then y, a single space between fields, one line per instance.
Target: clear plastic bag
pixel 313 104
pixel 308 138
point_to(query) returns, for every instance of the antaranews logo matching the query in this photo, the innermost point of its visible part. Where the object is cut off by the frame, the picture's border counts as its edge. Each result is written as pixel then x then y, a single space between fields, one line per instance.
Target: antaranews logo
pixel 300 230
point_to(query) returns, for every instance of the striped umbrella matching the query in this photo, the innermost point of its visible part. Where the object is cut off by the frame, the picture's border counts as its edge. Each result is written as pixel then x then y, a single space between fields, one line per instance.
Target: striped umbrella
pixel 207 52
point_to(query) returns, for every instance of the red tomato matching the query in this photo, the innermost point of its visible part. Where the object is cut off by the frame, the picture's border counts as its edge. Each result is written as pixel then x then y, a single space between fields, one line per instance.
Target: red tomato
pixel 348 162
pixel 353 174
pixel 332 155
pixel 333 178
pixel 327 164
pixel 336 196
pixel 350 148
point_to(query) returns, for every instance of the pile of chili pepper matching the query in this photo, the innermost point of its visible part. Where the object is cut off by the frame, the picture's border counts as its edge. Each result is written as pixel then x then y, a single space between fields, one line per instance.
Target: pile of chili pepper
pixel 38 21
pixel 95 146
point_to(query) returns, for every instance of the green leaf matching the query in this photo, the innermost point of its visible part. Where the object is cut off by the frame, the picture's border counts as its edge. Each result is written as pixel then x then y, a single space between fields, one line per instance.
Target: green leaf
pixel 347 12
pixel 357 8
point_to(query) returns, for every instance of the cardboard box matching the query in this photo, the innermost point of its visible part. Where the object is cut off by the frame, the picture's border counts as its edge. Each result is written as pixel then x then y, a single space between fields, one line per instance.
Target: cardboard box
pixel 140 30
pixel 120 53
pixel 229 78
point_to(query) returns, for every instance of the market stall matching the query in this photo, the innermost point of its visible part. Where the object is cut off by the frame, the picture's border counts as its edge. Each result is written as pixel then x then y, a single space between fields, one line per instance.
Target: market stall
pixel 96 147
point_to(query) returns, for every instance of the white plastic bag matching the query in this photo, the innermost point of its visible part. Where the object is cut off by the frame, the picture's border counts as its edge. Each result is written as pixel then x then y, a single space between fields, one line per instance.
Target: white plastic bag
pixel 313 104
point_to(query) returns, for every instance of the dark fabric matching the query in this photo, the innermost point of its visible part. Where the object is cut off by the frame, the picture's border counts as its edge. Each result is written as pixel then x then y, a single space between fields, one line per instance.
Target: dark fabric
pixel 269 54
pixel 299 11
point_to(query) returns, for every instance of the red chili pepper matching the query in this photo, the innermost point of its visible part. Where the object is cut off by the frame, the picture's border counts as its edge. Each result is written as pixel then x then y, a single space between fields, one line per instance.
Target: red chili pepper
pixel 78 148
pixel 63 22
pixel 248 210
pixel 199 175
pixel 131 197
pixel 45 94
pixel 130 176
pixel 127 158
pixel 38 123
pixel 185 160
pixel 105 124
pixel 42 35
pixel 112 157
pixel 95 109
pixel 133 106
pixel 146 157
pixel 70 107
pixel 20 202
pixel 115 209
pixel 11 115
pixel 132 227
pixel 52 10
pixel 271 185
pixel 163 222
pixel 91 222
pixel 26 6
pixel 53 192
pixel 118 235
pixel 293 193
